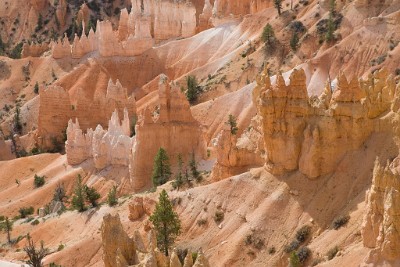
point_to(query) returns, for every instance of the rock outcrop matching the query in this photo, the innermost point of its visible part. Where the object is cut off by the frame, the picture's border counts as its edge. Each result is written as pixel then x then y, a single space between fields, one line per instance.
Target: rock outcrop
pixel 34 50
pixel 172 127
pixel 237 154
pixel 155 21
pixel 120 250
pixel 111 147
pixel 299 131
pixel 381 225
pixel 57 107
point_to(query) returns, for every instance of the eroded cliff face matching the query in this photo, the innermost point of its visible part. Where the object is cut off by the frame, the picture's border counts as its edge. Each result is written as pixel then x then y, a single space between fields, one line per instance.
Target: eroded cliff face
pixel 299 131
pixel 171 127
pixel 57 107
pixel 120 250
pixel 381 225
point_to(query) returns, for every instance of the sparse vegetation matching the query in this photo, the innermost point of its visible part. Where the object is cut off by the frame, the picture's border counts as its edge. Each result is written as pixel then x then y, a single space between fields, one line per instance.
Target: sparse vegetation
pixel 303 233
pixel 268 37
pixel 219 216
pixel 25 212
pixel 112 197
pixel 6 225
pixel 161 168
pixel 78 199
pixel 294 260
pixel 38 181
pixel 294 245
pixel 232 122
pixel 193 89
pixel 201 222
pixel 294 42
pixel 166 223
pixel 340 221
pixel 35 255
pixel 303 254
pixel 271 250
pixel 36 88
pixel 278 6
pixel 255 241
pixel 91 195
pixel 193 169
pixel 178 182
pixel 332 252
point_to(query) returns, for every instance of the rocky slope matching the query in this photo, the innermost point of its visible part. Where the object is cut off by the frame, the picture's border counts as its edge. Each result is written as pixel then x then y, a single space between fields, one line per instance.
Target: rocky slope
pixel 316 144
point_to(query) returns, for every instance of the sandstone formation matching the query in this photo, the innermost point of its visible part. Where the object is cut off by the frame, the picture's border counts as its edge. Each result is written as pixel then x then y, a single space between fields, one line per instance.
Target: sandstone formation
pixel 109 147
pixel 381 225
pixel 119 250
pixel 237 154
pixel 34 50
pixel 57 107
pixel 155 20
pixel 5 149
pixel 171 127
pixel 298 130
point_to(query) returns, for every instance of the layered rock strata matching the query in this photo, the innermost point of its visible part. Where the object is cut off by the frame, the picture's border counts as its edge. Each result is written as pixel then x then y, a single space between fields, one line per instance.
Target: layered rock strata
pixel 154 21
pixel 381 225
pixel 57 107
pixel 122 251
pixel 172 127
pixel 299 131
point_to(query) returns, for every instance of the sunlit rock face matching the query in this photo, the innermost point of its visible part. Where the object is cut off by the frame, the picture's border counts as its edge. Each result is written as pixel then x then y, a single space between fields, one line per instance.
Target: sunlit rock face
pixel 299 131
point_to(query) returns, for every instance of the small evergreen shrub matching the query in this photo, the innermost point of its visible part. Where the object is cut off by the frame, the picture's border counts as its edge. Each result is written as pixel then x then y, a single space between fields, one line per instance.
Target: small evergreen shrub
pixel 25 212
pixel 219 216
pixel 303 233
pixel 332 252
pixel 303 254
pixel 38 181
pixel 340 221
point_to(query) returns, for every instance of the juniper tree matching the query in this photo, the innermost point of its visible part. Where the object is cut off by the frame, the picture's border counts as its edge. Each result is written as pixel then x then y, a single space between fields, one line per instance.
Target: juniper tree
pixel 36 88
pixel 35 255
pixel 161 168
pixel 166 223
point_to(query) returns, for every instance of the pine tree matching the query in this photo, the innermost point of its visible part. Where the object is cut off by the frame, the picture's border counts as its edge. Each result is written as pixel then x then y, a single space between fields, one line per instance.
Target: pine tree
pixel 233 124
pixel 161 169
pixel 7 226
pixel 112 197
pixel 78 200
pixel 329 36
pixel 278 6
pixel 91 195
pixel 294 42
pixel 179 176
pixel 192 89
pixel 268 35
pixel 193 168
pixel 166 223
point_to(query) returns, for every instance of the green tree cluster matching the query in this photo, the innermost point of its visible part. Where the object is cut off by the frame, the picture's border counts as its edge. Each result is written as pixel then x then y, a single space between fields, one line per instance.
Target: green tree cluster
pixel 83 194
pixel 162 168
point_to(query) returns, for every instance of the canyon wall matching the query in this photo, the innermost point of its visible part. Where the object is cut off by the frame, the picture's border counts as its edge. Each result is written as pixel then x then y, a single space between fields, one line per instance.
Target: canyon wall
pixel 57 107
pixel 155 21
pixel 298 131
pixel 34 50
pixel 172 127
